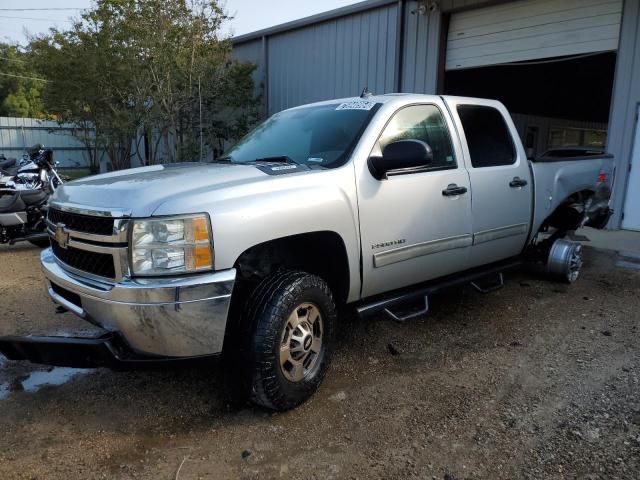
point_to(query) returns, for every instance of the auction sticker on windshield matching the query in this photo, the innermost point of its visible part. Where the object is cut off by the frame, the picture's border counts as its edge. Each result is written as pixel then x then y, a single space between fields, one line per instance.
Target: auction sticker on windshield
pixel 356 105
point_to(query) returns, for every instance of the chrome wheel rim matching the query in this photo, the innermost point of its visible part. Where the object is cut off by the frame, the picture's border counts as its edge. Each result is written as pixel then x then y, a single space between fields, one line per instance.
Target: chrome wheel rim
pixel 575 263
pixel 301 342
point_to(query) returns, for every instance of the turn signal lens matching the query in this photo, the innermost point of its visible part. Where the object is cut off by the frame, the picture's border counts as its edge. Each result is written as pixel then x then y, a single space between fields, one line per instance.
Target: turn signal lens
pixel 199 258
pixel 200 229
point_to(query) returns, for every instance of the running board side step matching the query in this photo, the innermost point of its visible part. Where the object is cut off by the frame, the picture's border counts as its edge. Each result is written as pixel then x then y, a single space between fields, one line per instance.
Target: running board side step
pixel 404 316
pixel 480 287
pixel 391 303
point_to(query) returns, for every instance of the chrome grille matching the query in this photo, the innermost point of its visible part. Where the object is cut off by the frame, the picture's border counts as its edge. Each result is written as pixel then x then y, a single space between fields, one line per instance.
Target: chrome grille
pixel 89 244
pixel 100 264
pixel 81 223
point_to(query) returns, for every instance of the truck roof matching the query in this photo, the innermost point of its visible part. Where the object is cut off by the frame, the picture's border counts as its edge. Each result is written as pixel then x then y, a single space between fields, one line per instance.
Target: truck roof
pixel 393 98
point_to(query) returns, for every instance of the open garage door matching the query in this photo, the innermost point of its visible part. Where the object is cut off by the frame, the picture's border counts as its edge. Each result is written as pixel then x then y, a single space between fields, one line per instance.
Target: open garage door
pixel 532 29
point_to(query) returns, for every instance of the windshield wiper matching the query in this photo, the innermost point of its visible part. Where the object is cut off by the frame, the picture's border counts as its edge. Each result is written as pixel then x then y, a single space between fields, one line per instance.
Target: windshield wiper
pixel 278 159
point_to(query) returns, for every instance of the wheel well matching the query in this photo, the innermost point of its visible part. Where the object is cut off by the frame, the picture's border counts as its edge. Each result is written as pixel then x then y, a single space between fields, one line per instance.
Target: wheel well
pixel 569 214
pixel 320 253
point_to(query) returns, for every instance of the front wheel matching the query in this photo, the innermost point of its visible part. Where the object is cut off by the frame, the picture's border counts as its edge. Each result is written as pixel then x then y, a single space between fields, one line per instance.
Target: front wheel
pixel 292 315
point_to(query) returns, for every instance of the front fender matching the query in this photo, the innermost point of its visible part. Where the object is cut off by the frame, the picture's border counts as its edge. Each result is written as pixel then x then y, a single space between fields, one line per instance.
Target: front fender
pixel 247 215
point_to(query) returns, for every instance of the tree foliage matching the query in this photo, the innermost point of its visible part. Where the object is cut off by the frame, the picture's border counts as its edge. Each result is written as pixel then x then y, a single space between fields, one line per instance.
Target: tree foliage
pixel 19 91
pixel 153 71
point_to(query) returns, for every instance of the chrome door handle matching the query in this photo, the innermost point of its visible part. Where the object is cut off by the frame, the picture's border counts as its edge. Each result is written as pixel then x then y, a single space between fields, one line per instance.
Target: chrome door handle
pixel 517 182
pixel 453 190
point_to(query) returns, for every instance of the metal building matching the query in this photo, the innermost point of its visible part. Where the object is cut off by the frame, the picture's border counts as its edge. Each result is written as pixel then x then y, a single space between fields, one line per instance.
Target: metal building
pixel 568 70
pixel 18 134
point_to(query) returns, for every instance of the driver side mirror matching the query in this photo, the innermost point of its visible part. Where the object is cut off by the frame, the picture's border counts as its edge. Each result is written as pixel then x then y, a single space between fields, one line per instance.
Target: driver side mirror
pixel 403 156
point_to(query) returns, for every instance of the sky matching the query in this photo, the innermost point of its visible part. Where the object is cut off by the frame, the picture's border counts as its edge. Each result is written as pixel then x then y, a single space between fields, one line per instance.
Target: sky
pixel 20 16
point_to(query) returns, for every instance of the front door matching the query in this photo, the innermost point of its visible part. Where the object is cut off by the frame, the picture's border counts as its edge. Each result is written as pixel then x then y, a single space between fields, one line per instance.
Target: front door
pixel 500 177
pixel 412 230
pixel 631 220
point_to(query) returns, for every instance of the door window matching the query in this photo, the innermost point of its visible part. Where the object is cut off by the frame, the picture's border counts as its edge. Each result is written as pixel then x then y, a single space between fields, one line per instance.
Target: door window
pixel 425 123
pixel 490 143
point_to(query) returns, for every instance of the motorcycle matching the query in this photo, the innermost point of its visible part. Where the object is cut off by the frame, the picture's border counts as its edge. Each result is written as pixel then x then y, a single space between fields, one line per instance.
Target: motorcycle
pixel 23 200
pixel 8 169
pixel 21 175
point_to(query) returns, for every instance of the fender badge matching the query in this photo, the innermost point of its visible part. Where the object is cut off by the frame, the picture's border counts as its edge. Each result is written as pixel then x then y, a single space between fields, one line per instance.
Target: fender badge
pixel 391 243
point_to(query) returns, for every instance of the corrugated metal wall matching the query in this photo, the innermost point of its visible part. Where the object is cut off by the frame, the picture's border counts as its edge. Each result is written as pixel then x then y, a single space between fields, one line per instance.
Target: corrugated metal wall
pixel 338 57
pixel 333 59
pixel 17 134
pixel 626 97
pixel 421 50
pixel 337 54
pixel 252 51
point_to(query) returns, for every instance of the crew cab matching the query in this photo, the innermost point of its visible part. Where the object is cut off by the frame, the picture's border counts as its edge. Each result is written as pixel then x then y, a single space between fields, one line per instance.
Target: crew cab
pixel 371 203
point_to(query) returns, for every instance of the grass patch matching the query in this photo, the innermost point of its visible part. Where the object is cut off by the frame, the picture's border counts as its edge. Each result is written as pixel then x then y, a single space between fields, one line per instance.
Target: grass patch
pixel 74 173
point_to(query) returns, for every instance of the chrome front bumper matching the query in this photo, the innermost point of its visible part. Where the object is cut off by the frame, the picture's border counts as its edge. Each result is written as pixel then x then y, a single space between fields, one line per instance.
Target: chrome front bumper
pixel 171 317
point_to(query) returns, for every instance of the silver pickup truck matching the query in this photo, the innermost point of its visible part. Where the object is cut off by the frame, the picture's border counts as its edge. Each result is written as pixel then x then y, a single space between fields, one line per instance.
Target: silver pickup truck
pixel 371 203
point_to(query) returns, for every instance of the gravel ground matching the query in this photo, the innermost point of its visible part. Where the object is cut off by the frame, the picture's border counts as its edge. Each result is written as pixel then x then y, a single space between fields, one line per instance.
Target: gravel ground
pixel 537 380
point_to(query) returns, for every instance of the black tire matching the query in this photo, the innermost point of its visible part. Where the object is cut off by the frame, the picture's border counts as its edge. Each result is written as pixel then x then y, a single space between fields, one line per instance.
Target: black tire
pixel 265 319
pixel 40 243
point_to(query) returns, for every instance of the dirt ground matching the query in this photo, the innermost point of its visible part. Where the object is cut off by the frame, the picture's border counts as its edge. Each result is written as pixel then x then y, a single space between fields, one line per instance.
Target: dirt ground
pixel 537 380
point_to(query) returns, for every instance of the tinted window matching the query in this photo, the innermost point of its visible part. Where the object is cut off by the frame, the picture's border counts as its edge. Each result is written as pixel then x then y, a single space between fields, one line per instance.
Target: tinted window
pixel 321 135
pixel 488 137
pixel 421 122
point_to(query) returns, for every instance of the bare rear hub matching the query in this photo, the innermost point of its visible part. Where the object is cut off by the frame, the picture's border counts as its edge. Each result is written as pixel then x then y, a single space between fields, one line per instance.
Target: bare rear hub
pixel 565 260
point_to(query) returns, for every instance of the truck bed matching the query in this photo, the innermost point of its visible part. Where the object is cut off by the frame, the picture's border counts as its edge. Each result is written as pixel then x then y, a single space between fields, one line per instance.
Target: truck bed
pixel 558 178
pixel 571 158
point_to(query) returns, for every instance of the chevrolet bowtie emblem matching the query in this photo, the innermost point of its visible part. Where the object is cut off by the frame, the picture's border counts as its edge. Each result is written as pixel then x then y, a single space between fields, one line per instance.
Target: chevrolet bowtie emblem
pixel 61 235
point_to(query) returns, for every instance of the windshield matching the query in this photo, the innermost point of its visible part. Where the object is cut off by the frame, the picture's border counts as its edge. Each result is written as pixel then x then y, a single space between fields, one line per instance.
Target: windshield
pixel 322 135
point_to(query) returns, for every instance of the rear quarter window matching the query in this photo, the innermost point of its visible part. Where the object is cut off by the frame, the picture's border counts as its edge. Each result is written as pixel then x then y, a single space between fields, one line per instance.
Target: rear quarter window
pixel 488 137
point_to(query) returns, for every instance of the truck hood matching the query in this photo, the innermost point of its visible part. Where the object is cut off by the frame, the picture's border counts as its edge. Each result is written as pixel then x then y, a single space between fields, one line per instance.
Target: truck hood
pixel 139 191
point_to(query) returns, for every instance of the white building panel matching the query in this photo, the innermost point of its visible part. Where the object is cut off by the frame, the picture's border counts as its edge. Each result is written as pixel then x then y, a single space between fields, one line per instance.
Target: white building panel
pixel 631 220
pixel 532 29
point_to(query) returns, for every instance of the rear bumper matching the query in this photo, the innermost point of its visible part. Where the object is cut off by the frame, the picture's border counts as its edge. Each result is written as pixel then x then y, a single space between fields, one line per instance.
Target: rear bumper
pixel 169 317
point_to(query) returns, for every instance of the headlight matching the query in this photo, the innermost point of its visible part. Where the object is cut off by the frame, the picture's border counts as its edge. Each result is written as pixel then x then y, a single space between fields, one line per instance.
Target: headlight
pixel 171 245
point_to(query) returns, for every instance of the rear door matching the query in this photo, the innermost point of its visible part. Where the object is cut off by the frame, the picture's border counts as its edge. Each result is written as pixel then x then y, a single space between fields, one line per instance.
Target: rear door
pixel 501 201
pixel 413 226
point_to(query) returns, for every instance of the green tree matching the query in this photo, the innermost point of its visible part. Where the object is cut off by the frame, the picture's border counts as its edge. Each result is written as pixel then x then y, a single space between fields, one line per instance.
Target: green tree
pixel 19 86
pixel 152 70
